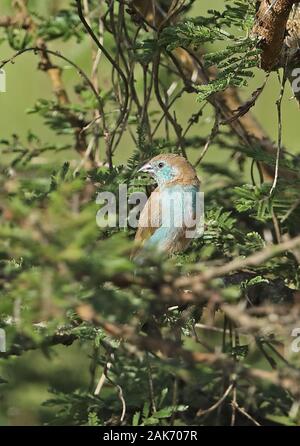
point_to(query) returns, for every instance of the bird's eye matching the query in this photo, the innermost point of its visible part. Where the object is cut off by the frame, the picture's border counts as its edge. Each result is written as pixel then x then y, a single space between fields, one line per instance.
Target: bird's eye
pixel 160 165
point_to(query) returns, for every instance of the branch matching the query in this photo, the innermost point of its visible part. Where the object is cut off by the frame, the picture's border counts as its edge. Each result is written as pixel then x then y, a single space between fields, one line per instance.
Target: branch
pixel 288 379
pixel 246 127
pixel 57 54
pixel 238 264
pixel 23 19
pixel 109 58
pixel 22 343
pixel 270 27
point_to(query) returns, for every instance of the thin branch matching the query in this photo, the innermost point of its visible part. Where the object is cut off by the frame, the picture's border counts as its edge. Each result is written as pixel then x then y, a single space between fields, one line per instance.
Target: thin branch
pixel 238 264
pixel 109 58
pixel 210 139
pixel 246 414
pixel 279 114
pixel 61 56
pixel 201 412
pixel 102 378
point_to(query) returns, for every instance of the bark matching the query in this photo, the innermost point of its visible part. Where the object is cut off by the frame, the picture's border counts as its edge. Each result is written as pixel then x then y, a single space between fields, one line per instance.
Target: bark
pixel 270 27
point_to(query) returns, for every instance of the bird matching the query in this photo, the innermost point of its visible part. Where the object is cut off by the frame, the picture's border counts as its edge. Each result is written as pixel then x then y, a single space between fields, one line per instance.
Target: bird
pixel 171 211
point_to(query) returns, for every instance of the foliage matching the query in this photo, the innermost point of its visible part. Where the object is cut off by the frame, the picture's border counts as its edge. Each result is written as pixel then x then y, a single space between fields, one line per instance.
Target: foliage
pixel 71 289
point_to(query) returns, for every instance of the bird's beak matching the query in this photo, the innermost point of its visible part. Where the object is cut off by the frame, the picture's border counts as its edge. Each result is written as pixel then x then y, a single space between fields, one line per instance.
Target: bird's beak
pixel 147 168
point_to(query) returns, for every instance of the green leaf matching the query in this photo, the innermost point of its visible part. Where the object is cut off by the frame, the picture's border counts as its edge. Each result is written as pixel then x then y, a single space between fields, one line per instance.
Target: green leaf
pixel 168 411
pixel 286 421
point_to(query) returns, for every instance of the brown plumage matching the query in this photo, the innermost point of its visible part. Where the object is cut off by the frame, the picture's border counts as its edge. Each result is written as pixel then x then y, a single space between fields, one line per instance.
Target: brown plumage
pixel 183 176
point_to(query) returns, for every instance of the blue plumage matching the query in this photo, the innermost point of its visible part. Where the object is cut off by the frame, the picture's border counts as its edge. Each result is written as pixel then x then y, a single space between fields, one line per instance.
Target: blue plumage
pixel 169 215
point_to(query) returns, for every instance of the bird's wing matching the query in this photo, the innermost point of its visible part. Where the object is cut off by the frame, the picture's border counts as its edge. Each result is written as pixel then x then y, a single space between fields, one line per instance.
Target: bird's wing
pixel 166 235
pixel 150 218
pixel 167 239
pixel 178 223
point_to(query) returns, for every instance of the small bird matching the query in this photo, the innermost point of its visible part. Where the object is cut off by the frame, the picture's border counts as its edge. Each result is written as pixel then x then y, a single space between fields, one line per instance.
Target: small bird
pixel 171 210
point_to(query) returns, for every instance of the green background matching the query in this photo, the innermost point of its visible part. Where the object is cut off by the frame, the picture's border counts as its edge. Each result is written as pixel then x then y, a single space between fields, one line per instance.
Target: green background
pixel 31 376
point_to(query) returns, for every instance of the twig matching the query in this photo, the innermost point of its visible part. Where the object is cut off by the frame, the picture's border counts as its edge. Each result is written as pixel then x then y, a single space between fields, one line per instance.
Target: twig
pixel 210 139
pixel 253 260
pixel 173 121
pixel 244 108
pixel 233 404
pixel 201 412
pixel 150 383
pixel 109 58
pixel 270 360
pixel 278 104
pixel 291 210
pixel 121 398
pixel 103 378
pixel 246 414
pixel 37 49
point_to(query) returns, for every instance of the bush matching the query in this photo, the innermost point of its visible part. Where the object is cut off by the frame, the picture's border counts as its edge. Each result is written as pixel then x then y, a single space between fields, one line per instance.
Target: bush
pixel 205 337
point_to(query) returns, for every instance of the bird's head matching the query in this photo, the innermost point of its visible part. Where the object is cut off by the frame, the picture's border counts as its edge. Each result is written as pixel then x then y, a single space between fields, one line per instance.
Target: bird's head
pixel 171 169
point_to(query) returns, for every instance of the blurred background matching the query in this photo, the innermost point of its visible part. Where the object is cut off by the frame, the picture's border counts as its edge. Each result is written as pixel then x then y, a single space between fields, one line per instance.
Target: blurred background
pixel 32 376
pixel 25 85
